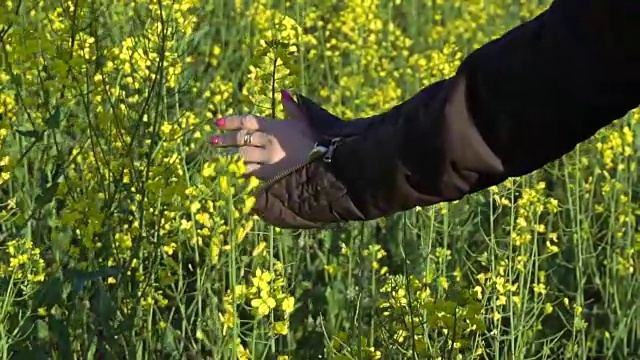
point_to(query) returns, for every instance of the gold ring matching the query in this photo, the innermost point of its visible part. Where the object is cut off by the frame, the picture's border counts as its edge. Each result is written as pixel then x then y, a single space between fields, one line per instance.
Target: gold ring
pixel 248 137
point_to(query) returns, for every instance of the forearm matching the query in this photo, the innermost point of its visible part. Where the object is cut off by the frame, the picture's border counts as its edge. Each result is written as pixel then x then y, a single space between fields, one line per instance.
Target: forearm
pixel 550 84
pixel 514 105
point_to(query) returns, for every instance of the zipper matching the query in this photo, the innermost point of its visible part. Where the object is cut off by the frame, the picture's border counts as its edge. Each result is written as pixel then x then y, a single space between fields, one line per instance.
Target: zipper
pixel 318 151
pixel 328 155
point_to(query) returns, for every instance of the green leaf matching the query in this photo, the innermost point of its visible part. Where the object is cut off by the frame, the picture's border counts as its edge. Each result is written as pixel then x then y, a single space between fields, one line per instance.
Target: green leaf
pixel 169 340
pixel 636 130
pixel 80 278
pixel 32 134
pixel 42 330
pixel 47 195
pixel 50 293
pixel 102 305
pixel 60 332
pixel 53 121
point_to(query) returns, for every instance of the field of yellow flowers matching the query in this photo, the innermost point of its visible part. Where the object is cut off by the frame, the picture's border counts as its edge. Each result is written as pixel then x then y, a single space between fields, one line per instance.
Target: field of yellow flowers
pixel 124 236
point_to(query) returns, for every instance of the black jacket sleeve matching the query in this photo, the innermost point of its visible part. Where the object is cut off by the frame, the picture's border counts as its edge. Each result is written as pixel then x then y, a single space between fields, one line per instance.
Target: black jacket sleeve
pixel 514 105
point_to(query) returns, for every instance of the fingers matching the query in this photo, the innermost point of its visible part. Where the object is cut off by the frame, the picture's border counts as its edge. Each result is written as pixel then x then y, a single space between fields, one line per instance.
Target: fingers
pixel 252 170
pixel 253 152
pixel 253 157
pixel 246 134
pixel 242 138
pixel 242 122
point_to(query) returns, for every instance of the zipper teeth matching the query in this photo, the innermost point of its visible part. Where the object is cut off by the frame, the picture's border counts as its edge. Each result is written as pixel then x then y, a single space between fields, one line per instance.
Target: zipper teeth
pixel 288 171
pixel 334 143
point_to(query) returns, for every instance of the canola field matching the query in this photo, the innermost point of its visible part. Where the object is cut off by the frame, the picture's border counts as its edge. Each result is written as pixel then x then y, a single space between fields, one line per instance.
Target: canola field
pixel 123 235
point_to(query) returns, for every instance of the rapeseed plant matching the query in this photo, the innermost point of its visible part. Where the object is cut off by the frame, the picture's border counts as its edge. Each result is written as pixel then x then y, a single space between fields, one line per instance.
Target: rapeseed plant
pixel 123 235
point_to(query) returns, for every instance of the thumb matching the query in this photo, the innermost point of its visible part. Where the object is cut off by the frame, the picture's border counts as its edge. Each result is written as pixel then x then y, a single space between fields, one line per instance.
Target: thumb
pixel 291 108
pixel 325 123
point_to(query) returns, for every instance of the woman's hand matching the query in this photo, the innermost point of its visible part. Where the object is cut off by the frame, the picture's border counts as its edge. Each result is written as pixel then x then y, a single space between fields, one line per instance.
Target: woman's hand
pixel 268 146
pixel 315 193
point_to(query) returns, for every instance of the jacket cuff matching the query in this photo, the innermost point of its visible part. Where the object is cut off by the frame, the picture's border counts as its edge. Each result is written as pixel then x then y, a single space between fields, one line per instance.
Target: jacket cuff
pixel 421 152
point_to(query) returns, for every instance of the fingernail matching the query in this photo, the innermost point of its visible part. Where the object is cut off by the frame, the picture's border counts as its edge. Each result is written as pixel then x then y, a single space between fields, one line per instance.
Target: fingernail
pixel 215 140
pixel 220 122
pixel 286 96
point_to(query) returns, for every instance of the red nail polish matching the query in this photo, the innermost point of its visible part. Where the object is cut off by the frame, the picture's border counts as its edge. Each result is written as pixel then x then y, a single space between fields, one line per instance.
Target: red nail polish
pixel 220 122
pixel 215 140
pixel 286 96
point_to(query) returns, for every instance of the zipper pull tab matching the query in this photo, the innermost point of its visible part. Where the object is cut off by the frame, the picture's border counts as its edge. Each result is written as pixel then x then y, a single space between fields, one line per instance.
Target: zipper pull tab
pixel 329 154
pixel 318 150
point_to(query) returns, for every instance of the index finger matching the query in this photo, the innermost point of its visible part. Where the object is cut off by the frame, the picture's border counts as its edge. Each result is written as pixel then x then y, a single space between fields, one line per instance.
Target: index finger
pixel 242 122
